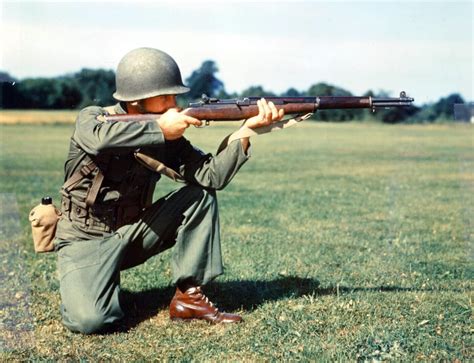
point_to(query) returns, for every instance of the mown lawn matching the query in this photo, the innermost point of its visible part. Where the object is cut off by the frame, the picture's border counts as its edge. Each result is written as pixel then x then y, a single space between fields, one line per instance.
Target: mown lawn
pixel 340 241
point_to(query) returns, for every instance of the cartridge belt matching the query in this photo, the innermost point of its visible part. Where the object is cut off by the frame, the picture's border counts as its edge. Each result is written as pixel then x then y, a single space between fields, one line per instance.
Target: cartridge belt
pixel 99 217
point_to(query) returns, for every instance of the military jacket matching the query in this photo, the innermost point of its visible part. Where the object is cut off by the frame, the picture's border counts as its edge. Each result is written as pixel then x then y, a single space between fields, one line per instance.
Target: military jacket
pixel 128 186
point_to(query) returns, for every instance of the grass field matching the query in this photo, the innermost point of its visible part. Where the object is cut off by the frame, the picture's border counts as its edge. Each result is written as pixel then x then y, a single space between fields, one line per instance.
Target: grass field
pixel 340 242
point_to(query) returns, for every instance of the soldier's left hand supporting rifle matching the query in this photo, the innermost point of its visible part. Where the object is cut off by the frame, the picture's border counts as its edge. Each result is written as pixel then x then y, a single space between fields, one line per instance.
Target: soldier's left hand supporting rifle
pixel 214 109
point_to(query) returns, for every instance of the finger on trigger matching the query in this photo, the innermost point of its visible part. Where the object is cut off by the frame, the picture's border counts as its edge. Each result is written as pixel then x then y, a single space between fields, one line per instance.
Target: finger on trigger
pixel 193 121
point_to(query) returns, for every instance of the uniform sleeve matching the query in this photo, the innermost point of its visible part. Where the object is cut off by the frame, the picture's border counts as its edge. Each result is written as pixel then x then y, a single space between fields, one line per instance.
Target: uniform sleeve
pixel 95 136
pixel 206 170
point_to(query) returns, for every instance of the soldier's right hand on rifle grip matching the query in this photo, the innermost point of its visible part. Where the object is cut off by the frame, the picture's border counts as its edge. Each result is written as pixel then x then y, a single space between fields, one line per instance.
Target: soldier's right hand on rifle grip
pixel 173 123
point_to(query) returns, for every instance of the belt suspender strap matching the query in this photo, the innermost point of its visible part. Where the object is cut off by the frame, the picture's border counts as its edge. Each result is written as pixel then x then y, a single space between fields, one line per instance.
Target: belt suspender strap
pixel 94 189
pixel 79 175
pixel 82 173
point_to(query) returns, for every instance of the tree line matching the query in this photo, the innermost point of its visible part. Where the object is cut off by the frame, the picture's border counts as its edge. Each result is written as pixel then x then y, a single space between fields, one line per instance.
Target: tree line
pixel 96 86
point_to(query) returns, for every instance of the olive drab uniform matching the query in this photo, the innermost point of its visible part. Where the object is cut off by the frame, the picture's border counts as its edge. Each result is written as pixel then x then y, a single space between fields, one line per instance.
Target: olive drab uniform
pixel 110 222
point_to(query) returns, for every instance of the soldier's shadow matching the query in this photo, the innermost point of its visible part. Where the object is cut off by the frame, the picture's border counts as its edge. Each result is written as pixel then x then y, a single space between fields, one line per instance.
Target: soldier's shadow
pixel 232 295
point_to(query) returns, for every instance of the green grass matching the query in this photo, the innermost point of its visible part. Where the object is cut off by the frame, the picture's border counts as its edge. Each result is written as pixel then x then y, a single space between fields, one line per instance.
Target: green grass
pixel 340 242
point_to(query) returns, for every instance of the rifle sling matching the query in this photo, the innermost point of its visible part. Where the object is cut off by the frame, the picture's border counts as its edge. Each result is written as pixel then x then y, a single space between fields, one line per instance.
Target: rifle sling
pixel 78 175
pixel 244 131
pixel 157 166
pixel 277 126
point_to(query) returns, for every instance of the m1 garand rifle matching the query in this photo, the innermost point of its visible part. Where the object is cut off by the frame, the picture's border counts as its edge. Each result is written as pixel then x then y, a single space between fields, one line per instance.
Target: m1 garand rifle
pixel 214 109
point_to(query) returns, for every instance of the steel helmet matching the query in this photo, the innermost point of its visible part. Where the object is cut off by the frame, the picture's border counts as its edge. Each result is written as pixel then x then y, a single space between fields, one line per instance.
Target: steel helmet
pixel 147 72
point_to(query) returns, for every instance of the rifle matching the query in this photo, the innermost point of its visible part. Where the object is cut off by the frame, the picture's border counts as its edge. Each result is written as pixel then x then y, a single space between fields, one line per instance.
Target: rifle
pixel 214 109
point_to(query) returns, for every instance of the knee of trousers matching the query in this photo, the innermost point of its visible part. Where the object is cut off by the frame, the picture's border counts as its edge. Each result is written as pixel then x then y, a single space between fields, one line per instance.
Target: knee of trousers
pixel 85 321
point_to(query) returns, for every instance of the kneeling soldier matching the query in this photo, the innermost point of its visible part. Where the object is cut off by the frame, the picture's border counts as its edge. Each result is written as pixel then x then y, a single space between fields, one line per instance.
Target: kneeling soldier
pixel 109 222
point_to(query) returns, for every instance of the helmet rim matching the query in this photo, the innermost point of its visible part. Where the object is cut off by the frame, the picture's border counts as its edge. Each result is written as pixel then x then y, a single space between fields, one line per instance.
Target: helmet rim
pixel 177 90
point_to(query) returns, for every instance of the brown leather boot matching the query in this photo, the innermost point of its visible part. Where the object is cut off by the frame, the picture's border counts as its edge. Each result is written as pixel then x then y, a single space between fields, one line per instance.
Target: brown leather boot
pixel 193 304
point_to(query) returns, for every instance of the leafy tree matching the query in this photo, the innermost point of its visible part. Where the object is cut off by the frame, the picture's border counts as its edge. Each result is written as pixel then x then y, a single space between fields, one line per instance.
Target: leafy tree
pixel 8 90
pixel 96 85
pixel 223 94
pixel 444 108
pixel 48 93
pixel 6 78
pixel 204 81
pixel 424 115
pixel 325 89
pixel 256 91
pixel 291 92
pixel 37 93
pixel 68 94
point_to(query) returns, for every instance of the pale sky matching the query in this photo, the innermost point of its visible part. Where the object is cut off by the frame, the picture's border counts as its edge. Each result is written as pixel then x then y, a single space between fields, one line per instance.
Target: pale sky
pixel 422 47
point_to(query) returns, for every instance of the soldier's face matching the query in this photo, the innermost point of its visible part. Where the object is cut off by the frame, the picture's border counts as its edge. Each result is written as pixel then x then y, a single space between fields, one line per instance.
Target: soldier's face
pixel 159 104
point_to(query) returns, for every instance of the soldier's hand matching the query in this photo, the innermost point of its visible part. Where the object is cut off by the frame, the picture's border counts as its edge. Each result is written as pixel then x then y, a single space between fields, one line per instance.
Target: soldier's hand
pixel 267 114
pixel 173 123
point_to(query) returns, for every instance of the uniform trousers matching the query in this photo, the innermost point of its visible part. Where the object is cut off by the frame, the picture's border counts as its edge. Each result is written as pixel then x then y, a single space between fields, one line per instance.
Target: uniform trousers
pixel 89 270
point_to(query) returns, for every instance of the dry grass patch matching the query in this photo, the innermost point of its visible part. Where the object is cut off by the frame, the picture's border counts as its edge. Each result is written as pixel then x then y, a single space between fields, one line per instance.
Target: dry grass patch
pixel 8 117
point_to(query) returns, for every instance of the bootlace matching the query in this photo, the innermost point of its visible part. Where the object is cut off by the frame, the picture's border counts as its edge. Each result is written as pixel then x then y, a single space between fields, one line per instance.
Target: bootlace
pixel 203 297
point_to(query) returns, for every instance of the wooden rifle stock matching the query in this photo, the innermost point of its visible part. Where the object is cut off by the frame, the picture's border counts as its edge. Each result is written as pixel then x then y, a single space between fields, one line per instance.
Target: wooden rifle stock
pixel 213 109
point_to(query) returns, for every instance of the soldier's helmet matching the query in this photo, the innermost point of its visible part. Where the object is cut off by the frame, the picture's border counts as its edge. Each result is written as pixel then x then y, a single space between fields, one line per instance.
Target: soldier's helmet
pixel 147 72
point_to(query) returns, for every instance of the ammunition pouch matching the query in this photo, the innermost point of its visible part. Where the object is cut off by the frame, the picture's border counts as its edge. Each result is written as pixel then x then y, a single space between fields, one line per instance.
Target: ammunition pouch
pixel 99 218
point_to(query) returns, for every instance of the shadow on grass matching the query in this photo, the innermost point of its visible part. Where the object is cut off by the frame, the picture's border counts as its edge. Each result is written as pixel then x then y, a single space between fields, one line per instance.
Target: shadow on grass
pixel 234 295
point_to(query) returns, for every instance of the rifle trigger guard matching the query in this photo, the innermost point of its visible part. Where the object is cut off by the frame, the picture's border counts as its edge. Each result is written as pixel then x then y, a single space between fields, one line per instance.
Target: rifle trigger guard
pixel 205 123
